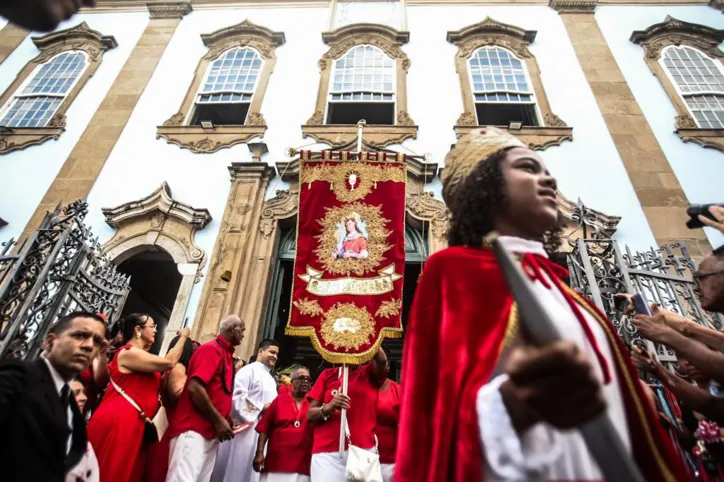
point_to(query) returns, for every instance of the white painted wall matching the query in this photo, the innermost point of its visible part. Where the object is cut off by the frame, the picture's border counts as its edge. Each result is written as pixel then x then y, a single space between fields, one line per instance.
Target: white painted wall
pixel 589 167
pixel 700 171
pixel 140 163
pixel 26 175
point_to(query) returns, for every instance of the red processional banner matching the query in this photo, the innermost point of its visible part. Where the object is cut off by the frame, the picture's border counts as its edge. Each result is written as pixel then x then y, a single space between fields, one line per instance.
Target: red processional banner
pixel 347 289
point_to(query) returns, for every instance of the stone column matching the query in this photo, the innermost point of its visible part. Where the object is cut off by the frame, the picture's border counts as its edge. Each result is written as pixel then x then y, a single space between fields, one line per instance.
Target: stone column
pixel 188 272
pixel 80 171
pixel 657 187
pixel 10 37
pixel 228 280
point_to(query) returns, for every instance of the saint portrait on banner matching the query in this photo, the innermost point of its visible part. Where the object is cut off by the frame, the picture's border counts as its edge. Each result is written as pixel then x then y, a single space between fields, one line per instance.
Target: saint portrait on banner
pixel 352 238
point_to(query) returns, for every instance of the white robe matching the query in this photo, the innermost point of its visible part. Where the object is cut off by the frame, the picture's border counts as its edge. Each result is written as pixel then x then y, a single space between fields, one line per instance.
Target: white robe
pixel 544 453
pixel 254 387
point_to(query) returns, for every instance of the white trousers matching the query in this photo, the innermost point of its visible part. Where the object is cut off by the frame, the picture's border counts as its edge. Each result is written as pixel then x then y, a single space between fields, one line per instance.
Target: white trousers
pixel 328 467
pixel 388 472
pixel 283 477
pixel 191 458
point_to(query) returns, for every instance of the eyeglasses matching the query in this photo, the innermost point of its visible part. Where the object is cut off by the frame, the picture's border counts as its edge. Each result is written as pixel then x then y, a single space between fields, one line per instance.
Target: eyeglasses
pixel 698 276
pixel 302 379
pixel 154 326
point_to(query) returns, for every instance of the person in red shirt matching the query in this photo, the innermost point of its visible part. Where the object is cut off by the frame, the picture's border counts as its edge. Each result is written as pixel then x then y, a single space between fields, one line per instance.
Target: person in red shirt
pixel 200 420
pixel 388 418
pixel 325 403
pixel 286 428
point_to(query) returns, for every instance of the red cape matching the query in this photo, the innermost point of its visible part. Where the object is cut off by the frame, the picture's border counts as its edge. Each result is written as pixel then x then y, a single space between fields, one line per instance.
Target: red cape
pixel 460 319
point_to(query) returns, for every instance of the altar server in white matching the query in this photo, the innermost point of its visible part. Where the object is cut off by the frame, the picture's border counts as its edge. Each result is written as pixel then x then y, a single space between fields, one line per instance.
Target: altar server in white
pixel 254 390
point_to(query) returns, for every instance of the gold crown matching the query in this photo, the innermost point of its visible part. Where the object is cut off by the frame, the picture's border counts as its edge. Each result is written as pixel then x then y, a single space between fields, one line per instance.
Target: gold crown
pixel 471 150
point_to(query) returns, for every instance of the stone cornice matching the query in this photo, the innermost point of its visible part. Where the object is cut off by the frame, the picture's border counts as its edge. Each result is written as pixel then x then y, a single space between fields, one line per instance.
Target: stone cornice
pixel 490 26
pixel 250 171
pixel 244 29
pixel 169 9
pixel 573 6
pixel 81 35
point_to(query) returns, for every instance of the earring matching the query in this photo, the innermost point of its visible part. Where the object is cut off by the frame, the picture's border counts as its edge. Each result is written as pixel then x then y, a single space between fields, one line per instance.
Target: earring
pixel 138 334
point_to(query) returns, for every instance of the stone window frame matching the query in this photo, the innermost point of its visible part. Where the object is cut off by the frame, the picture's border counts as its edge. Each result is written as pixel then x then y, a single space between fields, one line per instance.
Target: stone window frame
pixel 679 33
pixel 490 32
pixel 79 38
pixel 201 140
pixel 340 42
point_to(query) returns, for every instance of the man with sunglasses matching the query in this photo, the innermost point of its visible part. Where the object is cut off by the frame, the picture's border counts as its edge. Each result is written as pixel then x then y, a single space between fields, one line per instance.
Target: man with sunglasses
pixel 690 340
pixel 201 419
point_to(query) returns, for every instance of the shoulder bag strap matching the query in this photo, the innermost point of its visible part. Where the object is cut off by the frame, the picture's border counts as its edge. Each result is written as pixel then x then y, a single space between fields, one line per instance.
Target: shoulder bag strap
pixel 130 400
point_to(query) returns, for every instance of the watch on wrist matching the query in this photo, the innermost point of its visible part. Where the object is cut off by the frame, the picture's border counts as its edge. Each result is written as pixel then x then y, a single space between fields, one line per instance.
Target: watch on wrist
pixel 325 417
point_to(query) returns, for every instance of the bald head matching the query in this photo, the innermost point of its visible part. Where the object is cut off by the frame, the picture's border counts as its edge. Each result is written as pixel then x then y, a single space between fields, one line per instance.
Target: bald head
pixel 710 282
pixel 232 329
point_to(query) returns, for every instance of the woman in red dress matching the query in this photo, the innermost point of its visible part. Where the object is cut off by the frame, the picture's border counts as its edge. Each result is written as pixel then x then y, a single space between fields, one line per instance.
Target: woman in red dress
pixel 116 429
pixel 285 427
pixel 388 418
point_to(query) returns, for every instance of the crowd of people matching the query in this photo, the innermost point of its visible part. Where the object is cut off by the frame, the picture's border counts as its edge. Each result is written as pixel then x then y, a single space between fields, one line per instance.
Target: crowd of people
pixel 477 400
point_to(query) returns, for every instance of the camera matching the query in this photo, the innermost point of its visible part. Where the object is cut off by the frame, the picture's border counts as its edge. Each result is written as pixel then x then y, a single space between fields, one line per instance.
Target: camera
pixel 696 210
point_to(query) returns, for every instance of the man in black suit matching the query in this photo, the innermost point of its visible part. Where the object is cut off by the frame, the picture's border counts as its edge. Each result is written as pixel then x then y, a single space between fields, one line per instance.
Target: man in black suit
pixel 43 432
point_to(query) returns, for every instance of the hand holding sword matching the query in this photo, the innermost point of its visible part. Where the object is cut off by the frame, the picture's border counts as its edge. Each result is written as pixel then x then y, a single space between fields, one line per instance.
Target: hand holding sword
pixel 532 397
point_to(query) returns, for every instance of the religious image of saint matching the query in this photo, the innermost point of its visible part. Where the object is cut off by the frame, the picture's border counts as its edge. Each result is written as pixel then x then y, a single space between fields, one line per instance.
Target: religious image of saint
pixel 351 237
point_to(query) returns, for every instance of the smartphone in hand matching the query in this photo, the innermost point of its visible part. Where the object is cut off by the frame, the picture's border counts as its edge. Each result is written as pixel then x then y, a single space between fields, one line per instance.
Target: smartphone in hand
pixel 696 210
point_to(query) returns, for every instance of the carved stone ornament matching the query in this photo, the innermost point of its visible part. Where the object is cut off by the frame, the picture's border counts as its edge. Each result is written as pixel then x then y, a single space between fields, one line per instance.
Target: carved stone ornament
pixel 516 40
pixel 424 206
pixel 77 38
pixel 337 135
pixel 492 32
pixel 340 42
pixel 169 9
pixel 679 33
pixel 573 6
pixel 537 138
pixel 198 139
pixel 159 220
pixel 282 206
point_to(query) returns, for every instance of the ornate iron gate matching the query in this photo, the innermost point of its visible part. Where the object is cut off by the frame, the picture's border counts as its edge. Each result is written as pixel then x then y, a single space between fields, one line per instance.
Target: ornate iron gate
pixel 60 269
pixel 599 269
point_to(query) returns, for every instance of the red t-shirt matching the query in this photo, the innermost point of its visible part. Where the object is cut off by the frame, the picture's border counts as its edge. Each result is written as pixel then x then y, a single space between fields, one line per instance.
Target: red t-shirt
pixel 213 365
pixel 362 390
pixel 289 449
pixel 388 418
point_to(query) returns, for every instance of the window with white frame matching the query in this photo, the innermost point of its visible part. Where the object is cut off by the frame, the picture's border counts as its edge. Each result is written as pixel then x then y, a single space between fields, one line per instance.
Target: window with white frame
pixel 699 80
pixel 225 95
pixel 501 88
pixel 38 100
pixel 362 87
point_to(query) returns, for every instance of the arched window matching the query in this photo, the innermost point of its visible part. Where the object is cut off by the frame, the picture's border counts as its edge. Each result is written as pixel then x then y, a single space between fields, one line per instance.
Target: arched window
pixel 34 104
pixel 225 95
pixel 502 92
pixel 699 80
pixel 362 87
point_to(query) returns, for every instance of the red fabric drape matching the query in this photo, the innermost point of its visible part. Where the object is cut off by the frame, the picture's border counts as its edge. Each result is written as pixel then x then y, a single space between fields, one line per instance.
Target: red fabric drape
pixel 460 319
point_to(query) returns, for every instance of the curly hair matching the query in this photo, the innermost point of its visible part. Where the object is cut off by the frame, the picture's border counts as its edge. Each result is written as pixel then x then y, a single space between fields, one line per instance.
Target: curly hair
pixel 479 200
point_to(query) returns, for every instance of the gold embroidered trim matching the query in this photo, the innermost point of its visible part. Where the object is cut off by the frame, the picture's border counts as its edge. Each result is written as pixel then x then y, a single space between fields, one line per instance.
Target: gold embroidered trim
pixel 376 240
pixel 627 378
pixel 309 307
pixel 347 325
pixel 389 308
pixel 362 177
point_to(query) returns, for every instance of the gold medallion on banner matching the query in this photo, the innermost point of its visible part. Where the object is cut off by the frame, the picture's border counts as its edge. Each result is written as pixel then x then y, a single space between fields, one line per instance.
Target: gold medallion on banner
pixel 347 326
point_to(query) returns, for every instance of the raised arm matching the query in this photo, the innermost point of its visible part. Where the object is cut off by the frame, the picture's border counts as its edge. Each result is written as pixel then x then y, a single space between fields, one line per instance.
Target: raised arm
pixel 138 360
pixel 175 383
pixel 379 367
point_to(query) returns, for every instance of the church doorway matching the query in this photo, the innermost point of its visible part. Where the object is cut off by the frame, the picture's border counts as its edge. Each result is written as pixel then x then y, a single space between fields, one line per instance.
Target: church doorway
pixel 295 350
pixel 155 282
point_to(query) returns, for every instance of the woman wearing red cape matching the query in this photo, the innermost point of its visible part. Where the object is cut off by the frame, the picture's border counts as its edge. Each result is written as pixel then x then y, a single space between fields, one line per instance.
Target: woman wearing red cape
pixel 478 402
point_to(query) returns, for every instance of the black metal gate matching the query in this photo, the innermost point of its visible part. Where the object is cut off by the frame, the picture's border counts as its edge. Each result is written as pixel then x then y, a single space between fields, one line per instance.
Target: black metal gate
pixel 60 269
pixel 600 269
